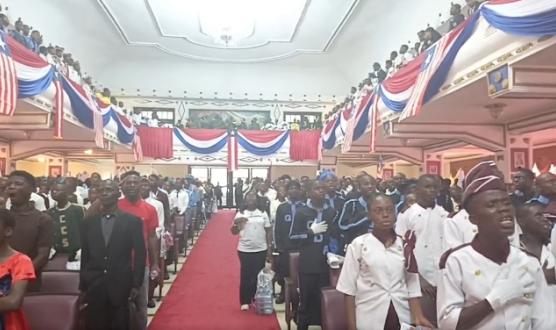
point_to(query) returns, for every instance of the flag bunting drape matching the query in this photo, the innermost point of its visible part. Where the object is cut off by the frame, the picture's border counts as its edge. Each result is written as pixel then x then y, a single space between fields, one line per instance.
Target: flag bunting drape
pixel 420 80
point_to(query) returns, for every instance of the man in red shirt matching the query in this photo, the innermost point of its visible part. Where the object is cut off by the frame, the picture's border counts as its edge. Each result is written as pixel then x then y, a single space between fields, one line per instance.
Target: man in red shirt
pixel 132 203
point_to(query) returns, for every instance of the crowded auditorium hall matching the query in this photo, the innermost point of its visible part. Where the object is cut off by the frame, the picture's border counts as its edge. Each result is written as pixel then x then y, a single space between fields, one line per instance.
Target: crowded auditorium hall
pixel 273 165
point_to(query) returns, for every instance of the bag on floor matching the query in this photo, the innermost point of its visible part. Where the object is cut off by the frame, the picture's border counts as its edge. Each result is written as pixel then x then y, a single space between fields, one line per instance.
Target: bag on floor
pixel 264 304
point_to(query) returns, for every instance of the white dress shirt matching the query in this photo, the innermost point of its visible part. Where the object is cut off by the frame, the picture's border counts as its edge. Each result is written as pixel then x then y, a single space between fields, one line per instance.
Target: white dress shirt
pixel 469 277
pixel 159 207
pixel 428 226
pixel 183 200
pixel 35 198
pixel 376 276
pixel 459 230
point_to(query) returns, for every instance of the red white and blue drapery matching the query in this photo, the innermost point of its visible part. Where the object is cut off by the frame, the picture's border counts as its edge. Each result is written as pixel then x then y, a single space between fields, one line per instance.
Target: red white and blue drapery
pixel 35 76
pixel 420 81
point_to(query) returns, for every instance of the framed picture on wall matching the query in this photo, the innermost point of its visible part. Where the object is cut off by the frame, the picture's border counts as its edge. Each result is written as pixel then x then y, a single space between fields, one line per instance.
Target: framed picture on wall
pixel 519 158
pixel 55 171
pixel 387 173
pixel 433 167
pixel 2 166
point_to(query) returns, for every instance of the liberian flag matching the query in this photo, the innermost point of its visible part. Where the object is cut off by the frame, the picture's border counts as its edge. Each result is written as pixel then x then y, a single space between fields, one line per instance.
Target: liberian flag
pixel 233 162
pixel 438 61
pixel 374 120
pixel 8 79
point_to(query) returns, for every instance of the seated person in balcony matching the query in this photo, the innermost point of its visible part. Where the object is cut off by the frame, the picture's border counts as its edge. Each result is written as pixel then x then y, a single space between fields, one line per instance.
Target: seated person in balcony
pixel 389 66
pixel 431 36
pixel 379 74
pixel 4 22
pixel 16 270
pixel 254 124
pixel 457 17
pixel 405 56
pixel 153 121
pixel 394 58
pixel 75 72
pixel 67 218
pixel 36 41
pixel 379 277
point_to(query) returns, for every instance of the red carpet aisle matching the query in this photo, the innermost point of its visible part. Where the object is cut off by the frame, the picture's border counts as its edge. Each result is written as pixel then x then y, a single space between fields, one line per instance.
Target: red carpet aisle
pixel 205 294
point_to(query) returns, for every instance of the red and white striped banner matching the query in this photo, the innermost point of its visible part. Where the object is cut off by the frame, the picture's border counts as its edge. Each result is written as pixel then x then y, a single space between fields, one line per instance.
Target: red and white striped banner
pixel 233 161
pixel 99 128
pixel 8 79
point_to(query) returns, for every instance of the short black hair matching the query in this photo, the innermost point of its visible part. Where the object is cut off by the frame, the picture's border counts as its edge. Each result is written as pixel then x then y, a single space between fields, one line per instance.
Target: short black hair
pixel 28 177
pixel 522 209
pixel 373 197
pixel 7 218
pixel 428 176
pixel 292 184
pixel 527 172
pixel 128 173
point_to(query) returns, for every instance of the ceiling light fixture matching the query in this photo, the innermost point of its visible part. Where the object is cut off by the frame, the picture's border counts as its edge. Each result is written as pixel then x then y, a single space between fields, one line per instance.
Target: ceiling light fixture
pixel 227 21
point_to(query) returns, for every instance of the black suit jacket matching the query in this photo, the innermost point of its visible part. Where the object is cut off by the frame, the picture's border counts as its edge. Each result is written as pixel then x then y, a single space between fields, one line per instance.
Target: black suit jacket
pixel 116 267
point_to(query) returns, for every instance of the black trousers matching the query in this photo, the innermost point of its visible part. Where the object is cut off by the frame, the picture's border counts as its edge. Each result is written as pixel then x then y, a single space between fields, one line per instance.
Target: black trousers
pixel 101 314
pixel 309 312
pixel 282 268
pixel 251 264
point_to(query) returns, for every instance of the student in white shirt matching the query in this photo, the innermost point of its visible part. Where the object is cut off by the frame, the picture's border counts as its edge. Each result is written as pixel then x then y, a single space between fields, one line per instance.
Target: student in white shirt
pixel 37 200
pixel 489 284
pixel 254 247
pixel 535 238
pixel 381 291
pixel 426 220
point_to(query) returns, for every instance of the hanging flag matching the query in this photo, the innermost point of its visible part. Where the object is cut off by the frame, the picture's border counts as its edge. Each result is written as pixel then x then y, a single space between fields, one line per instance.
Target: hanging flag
pixel 374 119
pixel 233 163
pixel 8 78
pixel 137 150
pixel 98 127
pixel 58 108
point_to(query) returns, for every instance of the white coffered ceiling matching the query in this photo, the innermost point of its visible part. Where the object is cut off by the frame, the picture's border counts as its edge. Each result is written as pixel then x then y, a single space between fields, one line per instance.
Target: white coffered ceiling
pixel 288 49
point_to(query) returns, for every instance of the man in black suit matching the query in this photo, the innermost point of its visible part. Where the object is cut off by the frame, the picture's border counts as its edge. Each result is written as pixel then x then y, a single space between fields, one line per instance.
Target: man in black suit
pixel 112 262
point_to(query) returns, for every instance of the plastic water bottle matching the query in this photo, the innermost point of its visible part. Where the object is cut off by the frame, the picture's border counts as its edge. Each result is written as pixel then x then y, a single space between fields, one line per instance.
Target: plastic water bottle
pixel 264 303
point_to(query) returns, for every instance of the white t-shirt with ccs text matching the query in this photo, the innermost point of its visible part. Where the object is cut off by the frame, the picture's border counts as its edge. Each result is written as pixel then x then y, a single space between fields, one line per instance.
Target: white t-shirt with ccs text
pixel 252 237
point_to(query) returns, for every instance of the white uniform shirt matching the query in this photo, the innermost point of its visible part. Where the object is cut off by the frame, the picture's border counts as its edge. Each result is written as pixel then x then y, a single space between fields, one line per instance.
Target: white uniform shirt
pixel 182 200
pixel 428 226
pixel 459 230
pixel 468 278
pixel 35 198
pixel 376 275
pixel 159 209
pixel 252 237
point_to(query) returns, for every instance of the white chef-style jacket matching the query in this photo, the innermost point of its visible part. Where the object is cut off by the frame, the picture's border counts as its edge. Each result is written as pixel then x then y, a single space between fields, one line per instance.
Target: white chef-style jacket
pixel 468 278
pixel 376 276
pixel 459 230
pixel 428 226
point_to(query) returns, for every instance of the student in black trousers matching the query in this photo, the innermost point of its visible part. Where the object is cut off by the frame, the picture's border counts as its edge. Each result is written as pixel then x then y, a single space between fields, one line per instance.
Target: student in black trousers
pixel 312 229
pixel 254 247
pixel 112 262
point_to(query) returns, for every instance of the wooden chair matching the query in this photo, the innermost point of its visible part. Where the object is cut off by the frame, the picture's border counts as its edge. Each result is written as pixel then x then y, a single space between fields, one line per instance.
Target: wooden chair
pixel 291 287
pixel 334 316
pixel 51 311
pixel 60 282
pixel 181 232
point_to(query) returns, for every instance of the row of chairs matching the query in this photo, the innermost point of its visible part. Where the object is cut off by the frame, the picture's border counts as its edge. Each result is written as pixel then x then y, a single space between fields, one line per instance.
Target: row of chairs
pixel 59 293
pixel 333 310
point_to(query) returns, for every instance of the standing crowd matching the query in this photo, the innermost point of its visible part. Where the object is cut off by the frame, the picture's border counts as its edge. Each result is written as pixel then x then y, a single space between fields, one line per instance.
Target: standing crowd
pixel 116 235
pixel 401 252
